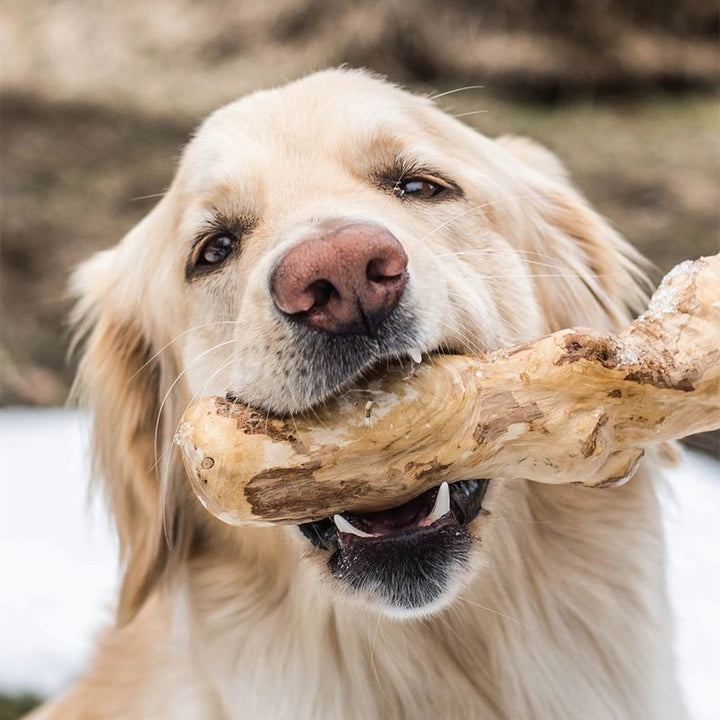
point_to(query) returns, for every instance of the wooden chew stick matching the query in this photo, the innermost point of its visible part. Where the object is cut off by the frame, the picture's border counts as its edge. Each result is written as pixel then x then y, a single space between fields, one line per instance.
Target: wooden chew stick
pixel 575 406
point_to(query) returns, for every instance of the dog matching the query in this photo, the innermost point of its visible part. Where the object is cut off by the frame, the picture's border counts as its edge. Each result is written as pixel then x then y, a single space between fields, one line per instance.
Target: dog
pixel 313 234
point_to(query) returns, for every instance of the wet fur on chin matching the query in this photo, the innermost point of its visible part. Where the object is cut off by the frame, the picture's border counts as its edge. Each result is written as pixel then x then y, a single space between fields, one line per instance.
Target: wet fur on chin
pixel 561 612
pixel 406 576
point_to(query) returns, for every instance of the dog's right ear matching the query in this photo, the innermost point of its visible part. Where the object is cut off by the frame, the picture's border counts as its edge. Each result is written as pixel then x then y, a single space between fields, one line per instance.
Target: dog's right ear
pixel 118 381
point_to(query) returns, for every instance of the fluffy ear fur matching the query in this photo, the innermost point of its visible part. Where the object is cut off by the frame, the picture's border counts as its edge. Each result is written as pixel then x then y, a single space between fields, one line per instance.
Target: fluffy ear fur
pixel 121 381
pixel 583 270
pixel 119 385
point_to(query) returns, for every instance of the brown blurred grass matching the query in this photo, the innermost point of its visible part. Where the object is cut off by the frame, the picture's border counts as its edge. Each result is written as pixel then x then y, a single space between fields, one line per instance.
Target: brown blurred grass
pixel 98 99
pixel 185 56
pixel 15 706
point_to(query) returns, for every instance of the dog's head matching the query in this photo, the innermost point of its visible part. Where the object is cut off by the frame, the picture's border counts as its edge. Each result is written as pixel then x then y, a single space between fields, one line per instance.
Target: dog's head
pixel 313 234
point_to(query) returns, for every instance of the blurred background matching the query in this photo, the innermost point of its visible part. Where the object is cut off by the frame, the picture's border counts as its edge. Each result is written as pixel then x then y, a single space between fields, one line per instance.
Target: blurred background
pixel 99 97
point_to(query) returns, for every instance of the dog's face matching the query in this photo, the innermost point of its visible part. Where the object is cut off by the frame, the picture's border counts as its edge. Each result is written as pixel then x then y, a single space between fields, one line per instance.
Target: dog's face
pixel 313 235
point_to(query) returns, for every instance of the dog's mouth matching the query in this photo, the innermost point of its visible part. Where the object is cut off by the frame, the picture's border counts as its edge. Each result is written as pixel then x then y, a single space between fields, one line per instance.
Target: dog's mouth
pixel 457 504
pixel 403 556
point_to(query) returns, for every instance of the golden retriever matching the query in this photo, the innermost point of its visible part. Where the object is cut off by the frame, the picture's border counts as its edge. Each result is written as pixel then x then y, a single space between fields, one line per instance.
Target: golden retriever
pixel 314 233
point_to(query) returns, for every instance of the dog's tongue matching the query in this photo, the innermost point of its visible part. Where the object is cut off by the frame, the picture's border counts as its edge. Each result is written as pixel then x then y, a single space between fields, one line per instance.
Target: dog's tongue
pixel 419 512
pixel 402 516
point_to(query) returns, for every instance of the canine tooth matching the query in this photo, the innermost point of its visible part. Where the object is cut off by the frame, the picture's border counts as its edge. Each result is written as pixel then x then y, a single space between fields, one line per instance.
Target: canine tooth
pixel 415 355
pixel 344 526
pixel 441 506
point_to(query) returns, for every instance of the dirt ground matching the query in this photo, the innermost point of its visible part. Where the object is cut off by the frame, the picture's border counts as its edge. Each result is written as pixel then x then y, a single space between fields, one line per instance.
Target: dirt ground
pixel 99 98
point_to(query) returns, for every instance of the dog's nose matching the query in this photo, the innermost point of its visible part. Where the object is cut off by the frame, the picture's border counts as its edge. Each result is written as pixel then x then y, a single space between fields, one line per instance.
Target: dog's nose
pixel 343 280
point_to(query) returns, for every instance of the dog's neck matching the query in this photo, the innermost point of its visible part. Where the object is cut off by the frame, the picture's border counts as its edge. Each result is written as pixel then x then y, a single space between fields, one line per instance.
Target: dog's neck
pixel 549 612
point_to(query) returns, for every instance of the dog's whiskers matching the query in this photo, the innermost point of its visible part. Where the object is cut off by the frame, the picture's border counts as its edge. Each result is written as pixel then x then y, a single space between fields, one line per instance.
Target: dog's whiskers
pixel 168 454
pixel 471 112
pixel 437 96
pixel 371 647
pixel 474 209
pixel 466 600
pixel 178 337
pixel 175 382
pixel 564 270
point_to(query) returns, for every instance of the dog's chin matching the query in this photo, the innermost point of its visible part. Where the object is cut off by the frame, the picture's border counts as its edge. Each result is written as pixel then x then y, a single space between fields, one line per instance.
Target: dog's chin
pixel 405 561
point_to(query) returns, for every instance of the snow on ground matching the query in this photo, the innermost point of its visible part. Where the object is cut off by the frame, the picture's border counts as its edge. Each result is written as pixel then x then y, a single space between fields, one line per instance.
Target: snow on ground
pixel 59 567
pixel 693 532
pixel 57 554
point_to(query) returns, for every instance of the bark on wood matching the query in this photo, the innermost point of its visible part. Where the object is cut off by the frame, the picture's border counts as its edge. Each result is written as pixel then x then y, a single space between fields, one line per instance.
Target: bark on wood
pixel 576 406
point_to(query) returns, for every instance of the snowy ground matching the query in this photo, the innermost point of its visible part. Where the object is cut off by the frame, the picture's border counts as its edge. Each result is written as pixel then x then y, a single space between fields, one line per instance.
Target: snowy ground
pixel 59 568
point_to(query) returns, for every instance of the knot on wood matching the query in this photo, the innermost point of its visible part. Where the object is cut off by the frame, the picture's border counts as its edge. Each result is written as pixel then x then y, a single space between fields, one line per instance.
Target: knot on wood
pixel 600 348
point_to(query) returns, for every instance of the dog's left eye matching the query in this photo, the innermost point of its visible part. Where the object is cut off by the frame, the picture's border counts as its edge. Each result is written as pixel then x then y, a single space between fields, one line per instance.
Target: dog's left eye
pixel 420 188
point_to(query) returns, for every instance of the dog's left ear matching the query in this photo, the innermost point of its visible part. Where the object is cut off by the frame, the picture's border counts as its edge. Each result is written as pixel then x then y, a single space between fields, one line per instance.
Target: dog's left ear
pixel 584 271
pixel 119 381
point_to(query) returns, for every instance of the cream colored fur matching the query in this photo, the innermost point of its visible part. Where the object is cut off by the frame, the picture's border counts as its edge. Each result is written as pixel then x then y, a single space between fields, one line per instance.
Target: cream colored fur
pixel 564 613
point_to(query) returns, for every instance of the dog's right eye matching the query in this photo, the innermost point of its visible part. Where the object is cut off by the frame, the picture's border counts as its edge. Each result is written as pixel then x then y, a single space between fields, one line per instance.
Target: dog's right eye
pixel 210 252
pixel 215 250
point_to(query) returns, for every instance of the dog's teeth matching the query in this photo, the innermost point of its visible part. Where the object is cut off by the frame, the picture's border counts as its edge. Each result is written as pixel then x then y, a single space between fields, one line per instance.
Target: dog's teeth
pixel 415 355
pixel 344 526
pixel 442 505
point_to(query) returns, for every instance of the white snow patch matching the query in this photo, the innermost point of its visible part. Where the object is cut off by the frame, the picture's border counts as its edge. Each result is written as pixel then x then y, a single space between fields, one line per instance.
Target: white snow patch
pixel 693 541
pixel 57 552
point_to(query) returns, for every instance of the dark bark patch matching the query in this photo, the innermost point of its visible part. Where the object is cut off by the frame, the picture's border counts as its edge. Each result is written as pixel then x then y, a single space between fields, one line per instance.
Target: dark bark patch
pixel 420 470
pixel 252 422
pixel 594 348
pixel 603 349
pixel 503 411
pixel 294 495
pixel 517 349
pixel 652 375
pixel 590 444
